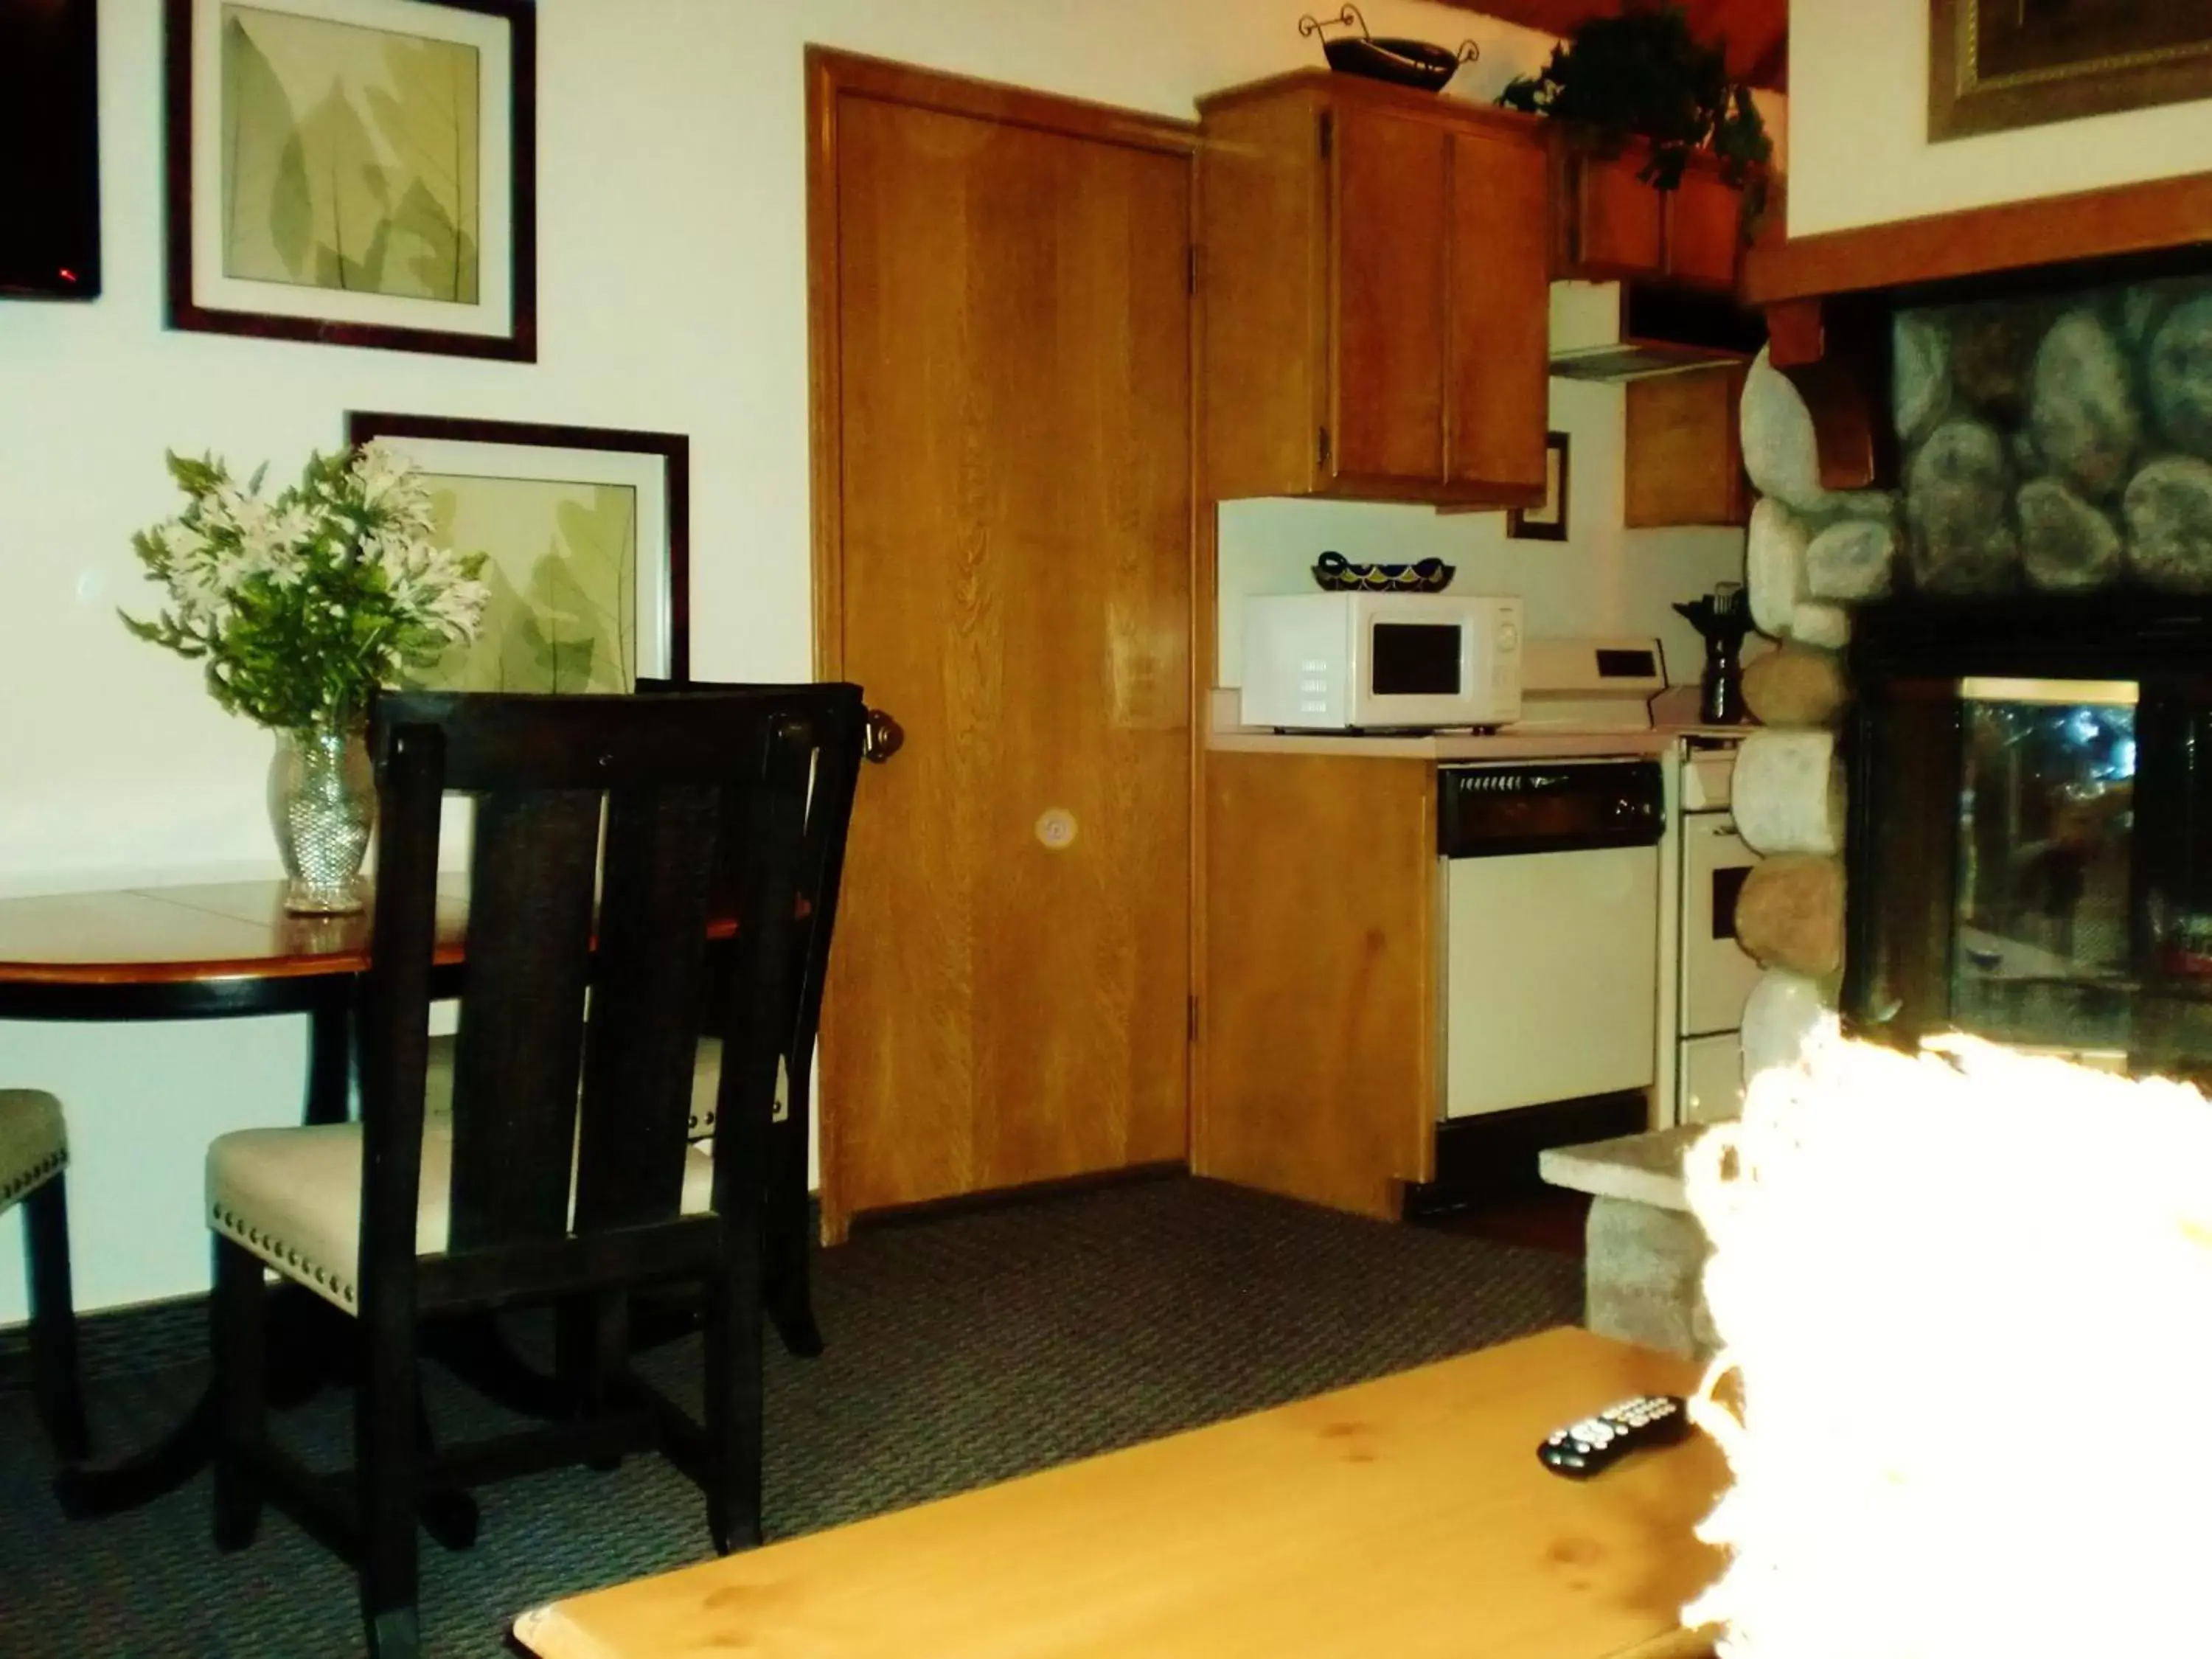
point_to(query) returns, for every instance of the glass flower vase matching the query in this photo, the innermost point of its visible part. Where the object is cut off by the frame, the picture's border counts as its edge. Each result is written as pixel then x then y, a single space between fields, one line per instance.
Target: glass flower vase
pixel 322 803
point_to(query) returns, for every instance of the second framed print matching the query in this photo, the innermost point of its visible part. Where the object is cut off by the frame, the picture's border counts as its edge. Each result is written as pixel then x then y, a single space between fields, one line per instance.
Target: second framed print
pixel 586 534
pixel 355 172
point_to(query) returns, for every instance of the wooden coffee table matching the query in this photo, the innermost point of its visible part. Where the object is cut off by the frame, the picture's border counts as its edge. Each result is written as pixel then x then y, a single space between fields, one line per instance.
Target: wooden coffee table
pixel 1406 1517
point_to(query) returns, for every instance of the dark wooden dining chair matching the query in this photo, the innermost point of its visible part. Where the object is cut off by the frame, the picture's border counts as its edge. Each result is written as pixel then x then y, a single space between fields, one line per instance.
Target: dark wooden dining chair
pixel 33 1151
pixel 789 1241
pixel 565 1170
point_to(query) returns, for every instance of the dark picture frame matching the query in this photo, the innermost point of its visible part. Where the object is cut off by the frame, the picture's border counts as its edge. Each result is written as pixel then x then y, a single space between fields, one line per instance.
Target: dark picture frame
pixel 1994 65
pixel 500 320
pixel 1547 523
pixel 630 455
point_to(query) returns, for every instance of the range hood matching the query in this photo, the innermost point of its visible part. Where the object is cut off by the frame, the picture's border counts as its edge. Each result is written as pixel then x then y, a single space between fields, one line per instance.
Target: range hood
pixel 1620 331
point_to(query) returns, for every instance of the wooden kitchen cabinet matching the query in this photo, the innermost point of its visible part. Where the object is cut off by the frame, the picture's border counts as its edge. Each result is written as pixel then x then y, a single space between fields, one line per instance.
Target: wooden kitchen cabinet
pixel 1374 267
pixel 1613 226
pixel 1704 231
pixel 1317 1019
pixel 1684 451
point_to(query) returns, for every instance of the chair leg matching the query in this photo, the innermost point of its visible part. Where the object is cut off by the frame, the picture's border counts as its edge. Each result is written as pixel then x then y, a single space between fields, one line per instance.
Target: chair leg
pixel 449 1513
pixel 240 1317
pixel 385 1470
pixel 789 1247
pixel 53 1322
pixel 733 1397
pixel 591 1345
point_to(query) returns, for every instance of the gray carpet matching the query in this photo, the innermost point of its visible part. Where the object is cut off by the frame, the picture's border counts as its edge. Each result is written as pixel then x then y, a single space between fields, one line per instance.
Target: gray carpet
pixel 962 1351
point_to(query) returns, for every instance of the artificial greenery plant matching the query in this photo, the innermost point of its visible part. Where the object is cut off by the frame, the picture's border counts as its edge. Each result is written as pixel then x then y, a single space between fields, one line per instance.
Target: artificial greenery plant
pixel 1641 74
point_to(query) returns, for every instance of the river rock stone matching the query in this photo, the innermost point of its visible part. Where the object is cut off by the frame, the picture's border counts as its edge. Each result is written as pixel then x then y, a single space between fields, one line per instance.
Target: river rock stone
pixel 2066 545
pixel 1774 565
pixel 2081 408
pixel 1796 687
pixel 2146 306
pixel 1851 559
pixel 1788 792
pixel 1784 1012
pixel 1993 354
pixel 2180 376
pixel 1957 488
pixel 2168 509
pixel 1814 623
pixel 1920 380
pixel 1780 451
pixel 1789 914
pixel 1841 504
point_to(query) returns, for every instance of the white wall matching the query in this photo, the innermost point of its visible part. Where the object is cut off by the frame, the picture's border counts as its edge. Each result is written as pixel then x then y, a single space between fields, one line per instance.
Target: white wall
pixel 671 274
pixel 1602 580
pixel 1859 153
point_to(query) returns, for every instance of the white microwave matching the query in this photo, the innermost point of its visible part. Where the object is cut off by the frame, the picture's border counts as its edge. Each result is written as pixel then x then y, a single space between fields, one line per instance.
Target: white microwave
pixel 1342 662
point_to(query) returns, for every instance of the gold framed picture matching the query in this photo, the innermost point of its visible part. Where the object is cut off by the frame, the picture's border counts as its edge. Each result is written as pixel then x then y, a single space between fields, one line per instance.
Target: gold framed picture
pixel 1997 65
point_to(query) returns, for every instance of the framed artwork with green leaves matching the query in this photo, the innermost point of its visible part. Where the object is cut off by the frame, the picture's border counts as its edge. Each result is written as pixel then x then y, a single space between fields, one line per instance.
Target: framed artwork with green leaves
pixel 356 172
pixel 586 534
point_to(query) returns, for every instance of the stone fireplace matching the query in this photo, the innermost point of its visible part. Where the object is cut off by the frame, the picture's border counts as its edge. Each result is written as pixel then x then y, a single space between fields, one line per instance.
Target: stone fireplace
pixel 1985 780
pixel 1982 780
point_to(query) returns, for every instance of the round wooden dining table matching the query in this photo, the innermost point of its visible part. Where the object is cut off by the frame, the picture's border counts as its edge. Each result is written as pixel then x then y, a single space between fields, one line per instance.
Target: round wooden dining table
pixel 211 951
pixel 203 951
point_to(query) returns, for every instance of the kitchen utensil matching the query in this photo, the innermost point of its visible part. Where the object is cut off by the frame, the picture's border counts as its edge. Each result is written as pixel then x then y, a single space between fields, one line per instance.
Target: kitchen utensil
pixel 1721 620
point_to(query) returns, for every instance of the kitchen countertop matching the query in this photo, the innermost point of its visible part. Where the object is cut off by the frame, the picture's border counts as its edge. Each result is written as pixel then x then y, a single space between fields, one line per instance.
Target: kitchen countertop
pixel 1514 743
pixel 1674 715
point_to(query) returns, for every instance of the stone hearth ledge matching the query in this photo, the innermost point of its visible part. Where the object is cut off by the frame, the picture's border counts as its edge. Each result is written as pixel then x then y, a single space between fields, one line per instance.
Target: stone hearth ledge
pixel 1643 1271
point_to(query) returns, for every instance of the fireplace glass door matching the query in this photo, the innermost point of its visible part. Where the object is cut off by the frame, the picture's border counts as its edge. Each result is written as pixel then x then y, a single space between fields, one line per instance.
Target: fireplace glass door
pixel 2042 951
pixel 2032 863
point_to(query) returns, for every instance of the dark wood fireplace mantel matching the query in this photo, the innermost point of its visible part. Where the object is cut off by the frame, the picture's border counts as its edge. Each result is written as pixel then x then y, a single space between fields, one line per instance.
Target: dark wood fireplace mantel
pixel 2078 237
pixel 1830 298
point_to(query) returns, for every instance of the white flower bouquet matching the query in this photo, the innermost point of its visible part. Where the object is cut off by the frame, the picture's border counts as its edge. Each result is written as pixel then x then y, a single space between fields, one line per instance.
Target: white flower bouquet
pixel 303 604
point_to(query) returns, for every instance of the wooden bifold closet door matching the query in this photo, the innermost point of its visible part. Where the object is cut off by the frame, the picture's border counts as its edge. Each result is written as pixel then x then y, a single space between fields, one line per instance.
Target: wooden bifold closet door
pixel 1003 475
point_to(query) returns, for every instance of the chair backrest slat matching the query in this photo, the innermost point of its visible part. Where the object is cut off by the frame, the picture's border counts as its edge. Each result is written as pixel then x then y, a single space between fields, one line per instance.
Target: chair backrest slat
pixel 661 855
pixel 840 729
pixel 395 1039
pixel 516 1058
pixel 542 1105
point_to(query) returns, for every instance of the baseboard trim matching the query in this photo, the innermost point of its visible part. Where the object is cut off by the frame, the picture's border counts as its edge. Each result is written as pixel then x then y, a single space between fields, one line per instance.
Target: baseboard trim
pixel 937 1209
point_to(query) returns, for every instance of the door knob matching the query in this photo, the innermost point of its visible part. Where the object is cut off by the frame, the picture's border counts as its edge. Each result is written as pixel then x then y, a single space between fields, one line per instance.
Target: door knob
pixel 882 737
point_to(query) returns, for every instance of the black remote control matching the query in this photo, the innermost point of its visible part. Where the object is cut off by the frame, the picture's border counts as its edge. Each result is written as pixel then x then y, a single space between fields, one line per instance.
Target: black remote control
pixel 1597 1443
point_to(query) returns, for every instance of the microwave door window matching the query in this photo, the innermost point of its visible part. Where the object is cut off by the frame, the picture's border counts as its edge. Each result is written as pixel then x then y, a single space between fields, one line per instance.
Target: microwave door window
pixel 1417 659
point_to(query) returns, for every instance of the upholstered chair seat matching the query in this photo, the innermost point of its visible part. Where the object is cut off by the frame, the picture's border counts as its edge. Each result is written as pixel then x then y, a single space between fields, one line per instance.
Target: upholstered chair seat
pixel 34 1146
pixel 292 1197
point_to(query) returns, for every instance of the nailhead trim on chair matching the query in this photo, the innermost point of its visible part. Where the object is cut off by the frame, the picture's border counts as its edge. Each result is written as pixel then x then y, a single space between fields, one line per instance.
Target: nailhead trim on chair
pixel 279 1255
pixel 37 1175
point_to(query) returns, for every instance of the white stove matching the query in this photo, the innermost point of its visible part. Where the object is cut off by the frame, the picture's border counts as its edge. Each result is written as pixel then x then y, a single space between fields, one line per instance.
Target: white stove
pixel 1701 1043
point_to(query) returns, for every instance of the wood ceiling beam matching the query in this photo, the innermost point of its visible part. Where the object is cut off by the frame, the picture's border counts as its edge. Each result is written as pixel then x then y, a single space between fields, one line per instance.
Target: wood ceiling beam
pixel 1757 31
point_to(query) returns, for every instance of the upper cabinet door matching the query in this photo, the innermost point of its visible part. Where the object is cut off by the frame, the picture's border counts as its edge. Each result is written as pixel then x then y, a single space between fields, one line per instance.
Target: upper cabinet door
pixel 1499 233
pixel 1390 185
pixel 1704 219
pixel 1616 223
